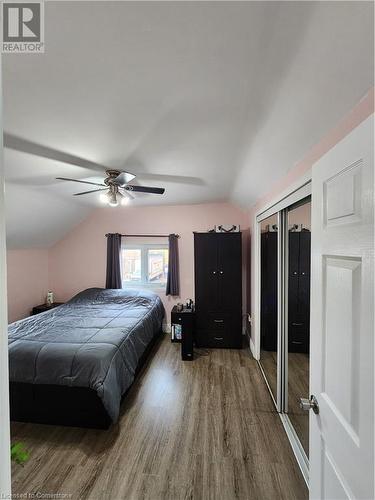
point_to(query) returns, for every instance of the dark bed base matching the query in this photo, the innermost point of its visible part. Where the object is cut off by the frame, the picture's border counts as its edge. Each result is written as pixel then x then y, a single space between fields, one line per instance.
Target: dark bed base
pixel 57 404
pixel 62 405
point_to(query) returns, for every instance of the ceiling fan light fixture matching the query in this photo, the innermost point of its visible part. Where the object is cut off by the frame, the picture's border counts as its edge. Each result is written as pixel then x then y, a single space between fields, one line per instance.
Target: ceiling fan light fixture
pixel 104 198
pixel 112 200
pixel 124 201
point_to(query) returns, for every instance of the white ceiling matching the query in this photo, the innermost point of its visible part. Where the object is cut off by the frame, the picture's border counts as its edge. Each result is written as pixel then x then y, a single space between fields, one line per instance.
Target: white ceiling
pixel 229 95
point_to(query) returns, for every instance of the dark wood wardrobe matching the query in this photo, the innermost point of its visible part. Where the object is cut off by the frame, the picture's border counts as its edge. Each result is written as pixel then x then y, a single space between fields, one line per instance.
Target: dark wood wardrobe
pixel 298 291
pixel 218 289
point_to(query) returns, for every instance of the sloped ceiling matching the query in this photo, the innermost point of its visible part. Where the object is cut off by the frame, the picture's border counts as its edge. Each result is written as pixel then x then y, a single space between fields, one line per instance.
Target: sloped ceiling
pixel 211 100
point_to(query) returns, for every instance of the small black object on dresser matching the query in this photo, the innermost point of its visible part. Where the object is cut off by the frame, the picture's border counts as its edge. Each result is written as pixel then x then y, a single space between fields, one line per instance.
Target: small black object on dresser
pixel 44 307
pixel 218 289
pixel 183 321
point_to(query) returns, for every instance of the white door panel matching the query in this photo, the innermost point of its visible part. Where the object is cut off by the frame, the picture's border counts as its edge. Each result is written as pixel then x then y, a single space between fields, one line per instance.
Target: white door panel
pixel 342 320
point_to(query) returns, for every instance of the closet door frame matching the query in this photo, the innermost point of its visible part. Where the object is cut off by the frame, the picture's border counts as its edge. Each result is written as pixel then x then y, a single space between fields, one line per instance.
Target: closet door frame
pixel 296 193
pixel 5 469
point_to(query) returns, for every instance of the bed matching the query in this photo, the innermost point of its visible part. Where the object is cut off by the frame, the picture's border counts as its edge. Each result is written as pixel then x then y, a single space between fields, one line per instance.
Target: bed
pixel 72 365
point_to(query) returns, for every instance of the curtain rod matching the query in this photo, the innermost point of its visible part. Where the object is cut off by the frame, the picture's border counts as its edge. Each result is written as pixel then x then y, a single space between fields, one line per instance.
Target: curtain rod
pixel 146 235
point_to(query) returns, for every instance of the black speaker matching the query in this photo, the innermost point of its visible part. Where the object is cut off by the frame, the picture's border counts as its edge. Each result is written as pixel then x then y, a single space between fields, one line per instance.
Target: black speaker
pixel 183 321
pixel 187 350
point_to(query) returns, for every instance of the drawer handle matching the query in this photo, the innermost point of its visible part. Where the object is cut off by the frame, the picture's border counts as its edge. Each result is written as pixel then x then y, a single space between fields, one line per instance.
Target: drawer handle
pixel 218 338
pixel 295 342
pixel 218 320
pixel 221 272
pixel 297 324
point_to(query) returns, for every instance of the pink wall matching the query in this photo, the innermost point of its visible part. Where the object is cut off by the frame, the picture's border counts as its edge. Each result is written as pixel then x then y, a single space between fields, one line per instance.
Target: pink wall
pixel 355 117
pixel 78 261
pixel 27 272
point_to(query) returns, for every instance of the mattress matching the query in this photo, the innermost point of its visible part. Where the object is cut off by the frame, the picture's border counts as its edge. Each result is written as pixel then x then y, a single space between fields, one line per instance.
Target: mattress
pixel 94 341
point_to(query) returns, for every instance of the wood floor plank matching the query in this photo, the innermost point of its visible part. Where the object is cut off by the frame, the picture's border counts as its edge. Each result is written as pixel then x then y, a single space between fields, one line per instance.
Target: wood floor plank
pixel 205 429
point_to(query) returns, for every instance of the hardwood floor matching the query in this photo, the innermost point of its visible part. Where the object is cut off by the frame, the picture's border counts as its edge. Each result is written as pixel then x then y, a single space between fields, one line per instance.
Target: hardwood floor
pixel 205 429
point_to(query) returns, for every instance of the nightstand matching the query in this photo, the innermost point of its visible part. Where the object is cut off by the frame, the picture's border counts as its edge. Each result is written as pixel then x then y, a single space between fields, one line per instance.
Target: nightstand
pixel 43 307
pixel 183 323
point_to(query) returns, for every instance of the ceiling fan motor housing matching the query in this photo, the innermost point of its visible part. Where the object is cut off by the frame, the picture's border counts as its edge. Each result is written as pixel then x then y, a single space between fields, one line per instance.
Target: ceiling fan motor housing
pixel 111 176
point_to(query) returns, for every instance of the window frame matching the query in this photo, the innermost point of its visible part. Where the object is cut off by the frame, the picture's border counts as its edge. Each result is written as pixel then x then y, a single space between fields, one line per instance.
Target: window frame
pixel 144 247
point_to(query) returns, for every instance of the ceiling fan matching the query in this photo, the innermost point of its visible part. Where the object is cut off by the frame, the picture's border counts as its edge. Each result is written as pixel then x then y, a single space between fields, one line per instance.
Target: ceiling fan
pixel 117 186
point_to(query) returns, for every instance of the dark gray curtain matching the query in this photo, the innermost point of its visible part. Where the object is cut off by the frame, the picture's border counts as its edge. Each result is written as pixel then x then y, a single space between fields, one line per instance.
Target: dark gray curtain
pixel 173 279
pixel 113 277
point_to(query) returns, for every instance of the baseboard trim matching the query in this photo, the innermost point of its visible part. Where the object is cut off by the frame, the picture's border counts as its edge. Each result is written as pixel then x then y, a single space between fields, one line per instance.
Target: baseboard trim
pixel 167 328
pixel 267 384
pixel 252 347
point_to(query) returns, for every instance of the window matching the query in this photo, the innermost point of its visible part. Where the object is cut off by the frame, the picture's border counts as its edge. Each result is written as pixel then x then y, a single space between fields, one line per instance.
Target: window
pixel 144 265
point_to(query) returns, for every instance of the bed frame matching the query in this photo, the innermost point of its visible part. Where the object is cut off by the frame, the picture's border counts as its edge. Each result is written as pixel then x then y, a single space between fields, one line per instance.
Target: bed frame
pixel 63 405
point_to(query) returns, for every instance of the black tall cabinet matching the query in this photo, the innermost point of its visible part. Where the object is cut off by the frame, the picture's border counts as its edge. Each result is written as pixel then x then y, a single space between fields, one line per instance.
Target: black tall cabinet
pixel 218 289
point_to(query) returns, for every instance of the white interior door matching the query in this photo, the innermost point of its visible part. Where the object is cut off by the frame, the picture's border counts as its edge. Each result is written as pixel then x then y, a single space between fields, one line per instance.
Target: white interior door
pixel 342 320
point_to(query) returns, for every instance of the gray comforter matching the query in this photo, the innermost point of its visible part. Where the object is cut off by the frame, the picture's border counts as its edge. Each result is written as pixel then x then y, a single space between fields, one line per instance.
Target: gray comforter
pixel 95 340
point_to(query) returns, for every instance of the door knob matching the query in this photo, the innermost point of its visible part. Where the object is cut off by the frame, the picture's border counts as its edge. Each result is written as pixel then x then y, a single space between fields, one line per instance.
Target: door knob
pixel 307 404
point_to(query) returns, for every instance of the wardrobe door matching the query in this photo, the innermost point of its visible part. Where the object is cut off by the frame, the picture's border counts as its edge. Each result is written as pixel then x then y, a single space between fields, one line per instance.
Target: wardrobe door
pixel 206 272
pixel 304 308
pixel 305 253
pixel 293 252
pixel 229 272
pixel 269 291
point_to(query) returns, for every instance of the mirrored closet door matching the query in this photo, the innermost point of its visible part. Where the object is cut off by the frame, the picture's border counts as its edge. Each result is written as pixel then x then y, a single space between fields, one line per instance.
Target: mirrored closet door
pixel 298 318
pixel 285 256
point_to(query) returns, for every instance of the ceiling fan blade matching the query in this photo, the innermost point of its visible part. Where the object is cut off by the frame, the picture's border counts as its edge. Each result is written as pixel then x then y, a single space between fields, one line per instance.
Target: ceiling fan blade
pixel 76 180
pixel 87 192
pixel 145 189
pixel 24 146
pixel 123 179
pixel 179 179
pixel 123 192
